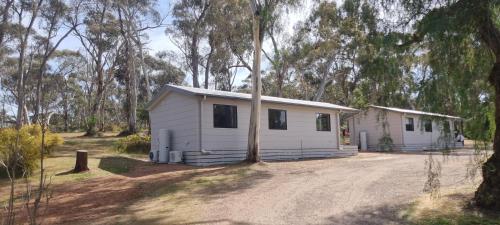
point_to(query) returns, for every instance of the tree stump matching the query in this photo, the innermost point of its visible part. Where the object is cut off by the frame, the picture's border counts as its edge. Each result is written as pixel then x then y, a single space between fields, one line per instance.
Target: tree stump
pixel 81 161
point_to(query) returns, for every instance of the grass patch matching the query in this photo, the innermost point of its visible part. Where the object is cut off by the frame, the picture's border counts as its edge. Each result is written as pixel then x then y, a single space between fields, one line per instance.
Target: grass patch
pixel 452 208
pixel 206 182
pixel 117 164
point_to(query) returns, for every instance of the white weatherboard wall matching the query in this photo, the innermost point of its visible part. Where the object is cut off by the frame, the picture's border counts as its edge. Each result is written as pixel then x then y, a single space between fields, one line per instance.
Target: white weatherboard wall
pixel 300 140
pixel 421 140
pixel 179 114
pixel 370 121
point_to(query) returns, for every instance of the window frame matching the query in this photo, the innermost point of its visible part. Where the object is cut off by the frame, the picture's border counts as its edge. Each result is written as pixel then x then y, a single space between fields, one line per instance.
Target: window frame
pixel 234 123
pixel 318 116
pixel 407 119
pixel 272 122
pixel 425 123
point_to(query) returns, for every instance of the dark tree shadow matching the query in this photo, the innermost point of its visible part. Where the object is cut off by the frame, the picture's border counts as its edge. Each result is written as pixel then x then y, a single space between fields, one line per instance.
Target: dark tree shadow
pixel 378 215
pixel 134 168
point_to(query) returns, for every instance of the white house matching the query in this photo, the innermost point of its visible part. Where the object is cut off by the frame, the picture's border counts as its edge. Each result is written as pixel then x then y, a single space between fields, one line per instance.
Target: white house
pixel 386 128
pixel 211 127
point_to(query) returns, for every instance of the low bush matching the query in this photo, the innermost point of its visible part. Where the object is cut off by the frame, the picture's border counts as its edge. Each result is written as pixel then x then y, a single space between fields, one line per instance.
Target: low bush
pixel 134 144
pixel 28 148
pixel 385 143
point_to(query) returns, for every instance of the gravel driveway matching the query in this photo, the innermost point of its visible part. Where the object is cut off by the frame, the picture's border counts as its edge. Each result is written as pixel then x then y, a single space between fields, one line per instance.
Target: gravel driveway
pixel 371 188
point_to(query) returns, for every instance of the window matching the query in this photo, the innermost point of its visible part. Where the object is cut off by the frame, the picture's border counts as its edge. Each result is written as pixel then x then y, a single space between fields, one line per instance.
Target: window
pixel 446 127
pixel 323 122
pixel 225 116
pixel 277 119
pixel 428 125
pixel 409 124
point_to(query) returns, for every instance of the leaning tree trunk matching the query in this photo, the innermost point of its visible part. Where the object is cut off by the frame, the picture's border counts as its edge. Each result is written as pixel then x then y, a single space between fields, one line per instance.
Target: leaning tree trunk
pixel 488 193
pixel 254 129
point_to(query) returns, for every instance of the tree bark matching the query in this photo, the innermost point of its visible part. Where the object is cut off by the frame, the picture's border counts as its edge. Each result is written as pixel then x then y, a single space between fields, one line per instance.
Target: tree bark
pixel 488 194
pixel 21 69
pixel 81 161
pixel 195 58
pixel 209 60
pixel 149 94
pixel 254 129
pixel 91 125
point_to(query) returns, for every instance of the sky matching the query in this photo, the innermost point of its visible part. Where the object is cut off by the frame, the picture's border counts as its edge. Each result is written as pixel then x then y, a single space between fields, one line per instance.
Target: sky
pixel 158 40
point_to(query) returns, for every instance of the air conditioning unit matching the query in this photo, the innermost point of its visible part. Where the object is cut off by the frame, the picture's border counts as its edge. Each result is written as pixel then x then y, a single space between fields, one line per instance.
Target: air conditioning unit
pixel 163 145
pixel 175 156
pixel 153 155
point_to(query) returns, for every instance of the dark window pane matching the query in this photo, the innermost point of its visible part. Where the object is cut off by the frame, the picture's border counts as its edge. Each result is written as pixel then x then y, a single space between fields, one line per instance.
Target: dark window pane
pixel 409 124
pixel 428 125
pixel 446 127
pixel 277 119
pixel 323 122
pixel 225 116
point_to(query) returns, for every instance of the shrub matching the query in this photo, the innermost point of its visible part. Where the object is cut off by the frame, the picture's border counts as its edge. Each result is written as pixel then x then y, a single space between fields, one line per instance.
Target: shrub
pixel 385 143
pixel 134 144
pixel 30 140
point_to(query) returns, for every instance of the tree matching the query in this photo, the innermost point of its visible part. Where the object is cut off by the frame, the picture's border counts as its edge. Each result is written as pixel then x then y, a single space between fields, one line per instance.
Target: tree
pixel 24 34
pixel 100 41
pixel 228 45
pixel 52 16
pixel 465 19
pixel 190 27
pixel 258 24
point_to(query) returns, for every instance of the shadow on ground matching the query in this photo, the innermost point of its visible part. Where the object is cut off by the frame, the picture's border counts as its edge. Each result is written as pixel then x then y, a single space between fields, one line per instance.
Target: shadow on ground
pixel 102 199
pixel 135 168
pixel 381 215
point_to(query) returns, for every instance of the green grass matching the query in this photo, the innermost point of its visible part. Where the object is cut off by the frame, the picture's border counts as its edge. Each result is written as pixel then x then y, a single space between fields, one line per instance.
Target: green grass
pixel 103 160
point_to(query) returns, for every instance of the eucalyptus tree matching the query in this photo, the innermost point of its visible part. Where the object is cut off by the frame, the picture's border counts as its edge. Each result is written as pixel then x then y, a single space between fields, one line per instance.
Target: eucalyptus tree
pixel 69 66
pixel 100 39
pixel 57 21
pixel 263 13
pixel 228 47
pixel 464 20
pixel 132 18
pixel 24 11
pixel 189 28
pixel 318 46
pixel 163 70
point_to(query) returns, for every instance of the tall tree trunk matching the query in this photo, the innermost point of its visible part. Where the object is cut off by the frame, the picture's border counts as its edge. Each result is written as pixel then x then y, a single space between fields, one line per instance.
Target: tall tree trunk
pixel 254 128
pixel 149 94
pixel 102 114
pixel 195 59
pixel 280 83
pixel 207 68
pixel 488 193
pixel 38 94
pixel 92 124
pixel 132 123
pixel 321 88
pixel 66 113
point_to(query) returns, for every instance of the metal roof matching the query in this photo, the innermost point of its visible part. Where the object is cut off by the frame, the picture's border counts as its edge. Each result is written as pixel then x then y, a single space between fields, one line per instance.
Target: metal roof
pixel 243 96
pixel 409 111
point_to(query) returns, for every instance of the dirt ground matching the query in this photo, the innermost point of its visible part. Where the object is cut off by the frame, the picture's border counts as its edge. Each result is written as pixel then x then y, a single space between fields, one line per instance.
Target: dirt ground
pixel 371 188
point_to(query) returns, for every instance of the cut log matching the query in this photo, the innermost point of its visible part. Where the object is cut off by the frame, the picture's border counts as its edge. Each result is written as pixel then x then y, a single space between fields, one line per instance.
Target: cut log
pixel 81 161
